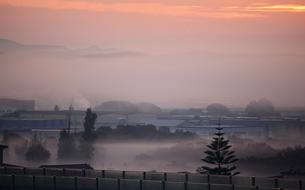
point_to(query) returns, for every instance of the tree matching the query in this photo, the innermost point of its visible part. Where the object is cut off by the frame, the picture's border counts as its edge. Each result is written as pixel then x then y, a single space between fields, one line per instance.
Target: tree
pixel 56 108
pixel 220 156
pixel 90 119
pixel 217 109
pixel 66 146
pixel 262 107
pixel 37 150
pixel 86 143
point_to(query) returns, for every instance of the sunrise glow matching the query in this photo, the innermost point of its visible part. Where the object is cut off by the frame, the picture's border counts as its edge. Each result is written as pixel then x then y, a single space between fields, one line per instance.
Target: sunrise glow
pixel 293 8
pixel 199 50
pixel 158 8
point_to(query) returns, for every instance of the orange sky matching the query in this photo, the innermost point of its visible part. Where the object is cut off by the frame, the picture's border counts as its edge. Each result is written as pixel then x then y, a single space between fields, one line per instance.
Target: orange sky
pixel 216 8
pixel 183 52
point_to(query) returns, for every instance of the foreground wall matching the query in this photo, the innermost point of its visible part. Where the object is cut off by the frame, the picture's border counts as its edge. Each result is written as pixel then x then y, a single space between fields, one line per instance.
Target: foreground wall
pixel 54 178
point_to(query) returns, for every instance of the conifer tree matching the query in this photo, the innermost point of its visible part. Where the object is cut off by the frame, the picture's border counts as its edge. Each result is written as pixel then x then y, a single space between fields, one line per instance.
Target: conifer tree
pixel 90 119
pixel 219 157
pixel 86 148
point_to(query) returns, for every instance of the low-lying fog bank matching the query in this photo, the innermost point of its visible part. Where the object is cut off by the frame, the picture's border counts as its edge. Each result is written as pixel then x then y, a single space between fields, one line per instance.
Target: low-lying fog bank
pixel 256 158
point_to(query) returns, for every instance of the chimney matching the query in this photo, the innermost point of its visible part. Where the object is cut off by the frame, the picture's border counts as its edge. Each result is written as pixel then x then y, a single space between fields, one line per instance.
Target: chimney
pixel 2 147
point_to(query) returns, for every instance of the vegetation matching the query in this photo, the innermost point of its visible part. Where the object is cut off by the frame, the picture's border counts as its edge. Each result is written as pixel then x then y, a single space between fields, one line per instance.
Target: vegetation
pixel 56 108
pixel 140 132
pixel 261 108
pixel 291 156
pixel 217 109
pixel 66 146
pixel 90 119
pixel 69 149
pixel 86 143
pixel 219 156
pixel 37 150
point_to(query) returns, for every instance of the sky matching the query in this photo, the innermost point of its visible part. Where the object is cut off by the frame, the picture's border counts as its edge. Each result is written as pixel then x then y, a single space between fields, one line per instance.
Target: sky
pixel 174 53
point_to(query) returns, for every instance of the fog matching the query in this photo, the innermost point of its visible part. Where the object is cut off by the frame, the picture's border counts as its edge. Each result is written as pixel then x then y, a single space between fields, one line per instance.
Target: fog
pixel 191 80
pixel 170 156
pixel 171 53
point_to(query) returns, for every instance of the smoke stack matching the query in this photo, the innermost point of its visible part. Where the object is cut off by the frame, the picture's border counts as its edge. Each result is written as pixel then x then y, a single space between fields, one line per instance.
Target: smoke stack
pixel 2 147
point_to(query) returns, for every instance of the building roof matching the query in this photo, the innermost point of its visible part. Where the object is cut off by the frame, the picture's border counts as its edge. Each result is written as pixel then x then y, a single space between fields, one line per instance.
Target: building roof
pixel 17 104
pixel 10 165
pixel 71 166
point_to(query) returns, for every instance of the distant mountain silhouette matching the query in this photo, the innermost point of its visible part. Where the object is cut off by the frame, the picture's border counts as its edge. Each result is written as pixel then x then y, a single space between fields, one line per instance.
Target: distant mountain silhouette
pixel 127 107
pixel 9 46
pixel 113 54
pixel 6 45
pixel 92 52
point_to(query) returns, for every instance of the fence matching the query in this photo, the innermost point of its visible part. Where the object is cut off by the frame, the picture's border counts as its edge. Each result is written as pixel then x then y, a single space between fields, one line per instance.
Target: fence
pixel 180 180
pixel 29 182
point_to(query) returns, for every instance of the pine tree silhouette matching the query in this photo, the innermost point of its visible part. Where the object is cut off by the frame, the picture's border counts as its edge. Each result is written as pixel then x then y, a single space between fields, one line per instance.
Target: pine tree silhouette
pixel 219 155
pixel 86 147
pixel 90 119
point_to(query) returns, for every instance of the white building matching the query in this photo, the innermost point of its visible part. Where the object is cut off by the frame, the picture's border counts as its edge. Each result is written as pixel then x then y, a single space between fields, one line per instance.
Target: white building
pixel 8 105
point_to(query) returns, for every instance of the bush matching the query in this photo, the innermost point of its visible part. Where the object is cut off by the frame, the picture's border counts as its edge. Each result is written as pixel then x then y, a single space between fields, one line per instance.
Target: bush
pixel 37 151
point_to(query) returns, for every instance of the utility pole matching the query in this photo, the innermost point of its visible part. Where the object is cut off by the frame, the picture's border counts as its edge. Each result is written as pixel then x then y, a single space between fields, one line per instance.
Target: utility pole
pixel 69 120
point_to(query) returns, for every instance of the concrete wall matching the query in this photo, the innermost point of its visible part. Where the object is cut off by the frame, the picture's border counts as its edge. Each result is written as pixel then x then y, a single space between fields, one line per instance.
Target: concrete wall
pixel 70 179
pixel 28 182
pixel 45 182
